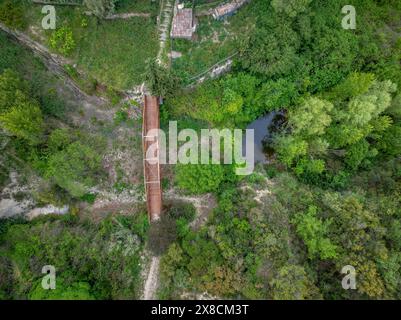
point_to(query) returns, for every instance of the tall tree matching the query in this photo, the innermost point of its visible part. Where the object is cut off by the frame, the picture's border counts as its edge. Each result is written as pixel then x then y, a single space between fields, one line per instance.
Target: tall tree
pixel 313 232
pixel 311 118
pixel 160 81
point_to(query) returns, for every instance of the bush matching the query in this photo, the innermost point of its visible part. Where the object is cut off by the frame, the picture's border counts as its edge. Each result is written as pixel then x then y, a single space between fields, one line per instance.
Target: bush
pixel 74 169
pixel 89 198
pixel 76 291
pixel 197 179
pixel 183 210
pixel 120 116
pixel 24 120
pixel 62 40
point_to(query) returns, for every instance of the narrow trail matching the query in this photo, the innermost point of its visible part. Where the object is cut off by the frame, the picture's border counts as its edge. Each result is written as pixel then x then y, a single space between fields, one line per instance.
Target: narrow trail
pixel 128 15
pixel 165 17
pixel 152 280
pixel 123 16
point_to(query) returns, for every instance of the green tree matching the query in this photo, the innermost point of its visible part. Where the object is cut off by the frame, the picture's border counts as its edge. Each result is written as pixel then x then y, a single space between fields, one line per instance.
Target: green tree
pixel 354 85
pixel 358 231
pixel 334 55
pixel 290 7
pixel 309 168
pixel 161 81
pixel 390 141
pixel 351 127
pixel 24 120
pixel 311 118
pixel 356 154
pixel 271 49
pixel 275 95
pixel 75 168
pixel 313 232
pixel 12 13
pixel 292 283
pixel 369 105
pixel 60 139
pixel 290 148
pixel 93 260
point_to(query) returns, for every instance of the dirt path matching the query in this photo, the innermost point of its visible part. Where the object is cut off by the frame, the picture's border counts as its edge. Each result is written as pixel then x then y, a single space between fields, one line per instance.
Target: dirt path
pixel 166 12
pixel 152 280
pixel 123 16
pixel 128 15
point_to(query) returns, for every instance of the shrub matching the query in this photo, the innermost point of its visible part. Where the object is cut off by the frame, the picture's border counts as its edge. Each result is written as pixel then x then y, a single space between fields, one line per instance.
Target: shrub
pixel 74 169
pixel 62 40
pixel 200 178
pixel 120 116
pixel 89 197
pixel 182 210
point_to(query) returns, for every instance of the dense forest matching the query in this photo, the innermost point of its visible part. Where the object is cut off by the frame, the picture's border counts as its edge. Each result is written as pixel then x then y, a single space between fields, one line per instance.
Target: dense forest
pixel 334 187
pixel 330 196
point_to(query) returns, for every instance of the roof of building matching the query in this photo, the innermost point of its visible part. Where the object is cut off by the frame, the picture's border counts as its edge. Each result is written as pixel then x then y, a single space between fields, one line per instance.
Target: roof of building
pixel 229 7
pixel 182 26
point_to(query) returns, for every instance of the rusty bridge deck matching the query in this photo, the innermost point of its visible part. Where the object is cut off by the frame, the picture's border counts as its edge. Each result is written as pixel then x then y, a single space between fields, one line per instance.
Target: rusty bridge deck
pixel 151 160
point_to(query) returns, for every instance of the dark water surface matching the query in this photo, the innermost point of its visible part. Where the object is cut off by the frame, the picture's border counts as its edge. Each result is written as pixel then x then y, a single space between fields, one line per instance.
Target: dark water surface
pixel 264 128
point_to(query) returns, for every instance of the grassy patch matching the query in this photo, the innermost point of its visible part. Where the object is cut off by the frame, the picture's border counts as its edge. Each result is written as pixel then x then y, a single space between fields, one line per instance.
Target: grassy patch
pixel 112 51
pixel 43 85
pixel 142 6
